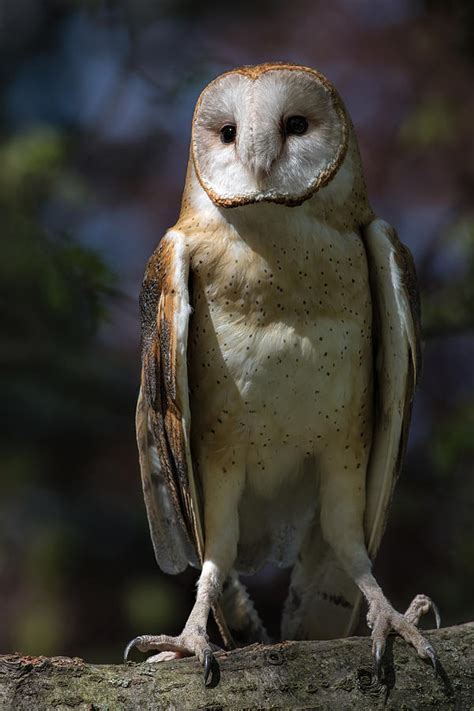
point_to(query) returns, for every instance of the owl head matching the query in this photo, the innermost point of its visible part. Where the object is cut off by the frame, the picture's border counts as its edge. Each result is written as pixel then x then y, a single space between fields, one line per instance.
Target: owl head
pixel 269 133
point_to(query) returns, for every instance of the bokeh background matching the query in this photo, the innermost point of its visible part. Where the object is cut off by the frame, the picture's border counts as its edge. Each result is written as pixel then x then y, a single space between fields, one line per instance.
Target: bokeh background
pixel 95 112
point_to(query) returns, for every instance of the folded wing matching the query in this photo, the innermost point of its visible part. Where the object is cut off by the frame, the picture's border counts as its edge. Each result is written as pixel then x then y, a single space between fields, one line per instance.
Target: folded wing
pixel 163 419
pixel 171 490
pixel 397 338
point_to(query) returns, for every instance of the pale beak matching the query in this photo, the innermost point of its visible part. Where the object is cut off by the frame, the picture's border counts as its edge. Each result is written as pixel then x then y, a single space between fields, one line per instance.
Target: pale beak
pixel 261 172
pixel 259 150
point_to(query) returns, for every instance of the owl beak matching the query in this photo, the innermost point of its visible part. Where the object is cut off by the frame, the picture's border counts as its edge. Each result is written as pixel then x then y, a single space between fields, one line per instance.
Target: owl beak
pixel 258 152
pixel 261 173
pixel 260 166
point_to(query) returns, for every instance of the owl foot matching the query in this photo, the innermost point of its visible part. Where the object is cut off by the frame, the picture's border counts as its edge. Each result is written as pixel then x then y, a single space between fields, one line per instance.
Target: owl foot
pixel 383 620
pixel 420 605
pixel 190 642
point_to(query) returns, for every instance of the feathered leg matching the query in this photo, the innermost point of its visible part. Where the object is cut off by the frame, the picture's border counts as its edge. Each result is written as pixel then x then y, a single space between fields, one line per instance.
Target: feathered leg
pixel 342 511
pixel 222 487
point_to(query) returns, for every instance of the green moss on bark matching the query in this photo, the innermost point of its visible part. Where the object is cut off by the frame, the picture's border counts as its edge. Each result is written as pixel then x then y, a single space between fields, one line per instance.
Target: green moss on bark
pixel 337 674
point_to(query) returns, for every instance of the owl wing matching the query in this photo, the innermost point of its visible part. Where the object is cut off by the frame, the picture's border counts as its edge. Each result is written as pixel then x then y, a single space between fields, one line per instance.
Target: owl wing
pixel 163 419
pixel 397 340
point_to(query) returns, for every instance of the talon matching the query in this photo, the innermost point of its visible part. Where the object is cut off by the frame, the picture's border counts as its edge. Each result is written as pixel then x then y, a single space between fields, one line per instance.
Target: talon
pixel 432 655
pixel 135 641
pixel 436 614
pixel 207 665
pixel 378 654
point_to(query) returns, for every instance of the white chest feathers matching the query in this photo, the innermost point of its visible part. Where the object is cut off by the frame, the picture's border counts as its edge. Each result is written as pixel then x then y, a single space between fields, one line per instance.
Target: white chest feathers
pixel 280 339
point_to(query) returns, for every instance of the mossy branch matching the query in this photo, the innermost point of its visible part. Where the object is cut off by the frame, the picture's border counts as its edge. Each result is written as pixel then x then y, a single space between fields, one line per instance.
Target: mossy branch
pixel 336 674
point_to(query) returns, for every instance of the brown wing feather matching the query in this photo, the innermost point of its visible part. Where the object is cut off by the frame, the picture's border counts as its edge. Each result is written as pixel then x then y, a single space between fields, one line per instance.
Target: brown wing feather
pixel 409 278
pixel 159 409
pixel 398 364
pixel 171 491
pixel 173 549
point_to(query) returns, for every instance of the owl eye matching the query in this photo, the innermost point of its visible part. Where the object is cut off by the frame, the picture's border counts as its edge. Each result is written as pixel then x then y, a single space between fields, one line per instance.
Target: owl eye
pixel 228 133
pixel 296 125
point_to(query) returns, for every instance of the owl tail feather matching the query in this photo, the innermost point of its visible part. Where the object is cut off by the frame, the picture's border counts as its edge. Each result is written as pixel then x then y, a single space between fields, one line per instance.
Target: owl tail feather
pixel 240 614
pixel 323 602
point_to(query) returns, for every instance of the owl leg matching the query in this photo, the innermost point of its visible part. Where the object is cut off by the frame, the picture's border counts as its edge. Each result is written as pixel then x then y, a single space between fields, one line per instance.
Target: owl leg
pixel 342 511
pixel 222 488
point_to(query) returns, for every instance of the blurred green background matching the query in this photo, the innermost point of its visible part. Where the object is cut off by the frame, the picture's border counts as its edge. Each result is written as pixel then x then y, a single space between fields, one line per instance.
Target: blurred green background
pixel 96 105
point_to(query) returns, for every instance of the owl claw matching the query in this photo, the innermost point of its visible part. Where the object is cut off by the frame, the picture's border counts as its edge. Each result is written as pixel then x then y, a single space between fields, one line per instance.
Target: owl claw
pixel 435 609
pixel 133 643
pixel 420 605
pixel 432 655
pixel 190 642
pixel 383 620
pixel 378 654
pixel 208 659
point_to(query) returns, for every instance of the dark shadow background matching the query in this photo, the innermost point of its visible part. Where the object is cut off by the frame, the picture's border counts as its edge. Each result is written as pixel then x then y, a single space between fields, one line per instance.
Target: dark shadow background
pixel 96 105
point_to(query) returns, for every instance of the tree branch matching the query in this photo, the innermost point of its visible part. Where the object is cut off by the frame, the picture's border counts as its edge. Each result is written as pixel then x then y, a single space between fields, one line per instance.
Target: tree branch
pixel 336 674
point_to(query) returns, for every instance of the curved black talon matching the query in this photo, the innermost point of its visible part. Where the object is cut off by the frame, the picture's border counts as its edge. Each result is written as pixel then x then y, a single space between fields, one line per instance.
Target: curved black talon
pixel 378 654
pixel 436 614
pixel 433 658
pixel 133 643
pixel 208 659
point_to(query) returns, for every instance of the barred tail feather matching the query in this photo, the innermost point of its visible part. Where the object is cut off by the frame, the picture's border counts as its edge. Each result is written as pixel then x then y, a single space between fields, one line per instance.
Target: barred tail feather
pixel 240 614
pixel 323 602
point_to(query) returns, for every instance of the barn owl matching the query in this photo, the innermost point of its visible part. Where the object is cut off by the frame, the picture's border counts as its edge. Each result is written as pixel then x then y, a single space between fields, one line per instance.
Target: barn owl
pixel 280 351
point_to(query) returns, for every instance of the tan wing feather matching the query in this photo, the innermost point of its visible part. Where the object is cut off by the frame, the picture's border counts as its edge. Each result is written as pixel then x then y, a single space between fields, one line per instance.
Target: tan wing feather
pixel 398 363
pixel 171 491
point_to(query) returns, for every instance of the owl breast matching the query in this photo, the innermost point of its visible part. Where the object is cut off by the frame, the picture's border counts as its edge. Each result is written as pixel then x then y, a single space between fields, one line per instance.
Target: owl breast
pixel 280 367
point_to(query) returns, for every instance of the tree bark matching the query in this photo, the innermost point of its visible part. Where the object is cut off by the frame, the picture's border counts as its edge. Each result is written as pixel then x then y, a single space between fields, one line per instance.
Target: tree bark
pixel 337 674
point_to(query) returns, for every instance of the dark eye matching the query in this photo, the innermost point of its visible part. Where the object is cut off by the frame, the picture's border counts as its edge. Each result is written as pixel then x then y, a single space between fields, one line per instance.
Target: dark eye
pixel 296 125
pixel 228 133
